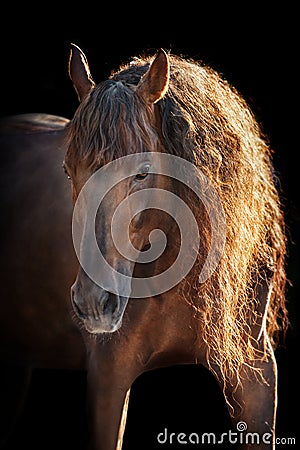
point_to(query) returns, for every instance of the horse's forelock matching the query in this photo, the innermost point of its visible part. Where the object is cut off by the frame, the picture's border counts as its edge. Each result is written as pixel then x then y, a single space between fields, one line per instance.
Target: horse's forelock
pixel 110 123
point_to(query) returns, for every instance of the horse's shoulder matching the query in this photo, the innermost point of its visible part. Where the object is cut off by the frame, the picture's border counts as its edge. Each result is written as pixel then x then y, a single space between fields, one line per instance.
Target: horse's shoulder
pixel 32 123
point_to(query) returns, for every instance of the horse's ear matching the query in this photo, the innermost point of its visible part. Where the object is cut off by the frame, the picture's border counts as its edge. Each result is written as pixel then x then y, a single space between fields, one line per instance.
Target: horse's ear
pixel 79 72
pixel 154 83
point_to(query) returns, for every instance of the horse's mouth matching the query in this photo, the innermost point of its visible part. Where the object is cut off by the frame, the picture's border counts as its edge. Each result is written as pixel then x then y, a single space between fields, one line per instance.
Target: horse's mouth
pixel 102 316
pixel 94 327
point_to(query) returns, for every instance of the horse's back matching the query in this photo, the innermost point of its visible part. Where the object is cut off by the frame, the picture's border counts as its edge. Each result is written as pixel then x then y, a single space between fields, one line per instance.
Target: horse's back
pixel 37 261
pixel 32 123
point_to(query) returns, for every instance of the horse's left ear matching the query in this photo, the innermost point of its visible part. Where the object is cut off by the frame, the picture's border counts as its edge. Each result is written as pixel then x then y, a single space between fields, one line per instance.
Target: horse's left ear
pixel 79 72
pixel 154 83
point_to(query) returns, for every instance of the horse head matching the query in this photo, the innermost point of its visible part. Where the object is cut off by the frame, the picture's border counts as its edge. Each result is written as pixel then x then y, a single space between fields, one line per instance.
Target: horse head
pixel 129 233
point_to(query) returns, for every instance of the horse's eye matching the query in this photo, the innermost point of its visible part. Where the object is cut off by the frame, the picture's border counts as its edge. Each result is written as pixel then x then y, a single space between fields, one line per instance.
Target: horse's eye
pixel 142 175
pixel 66 172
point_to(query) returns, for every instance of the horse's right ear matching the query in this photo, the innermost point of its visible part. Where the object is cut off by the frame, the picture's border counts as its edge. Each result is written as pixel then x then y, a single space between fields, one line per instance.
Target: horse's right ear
pixel 154 83
pixel 79 72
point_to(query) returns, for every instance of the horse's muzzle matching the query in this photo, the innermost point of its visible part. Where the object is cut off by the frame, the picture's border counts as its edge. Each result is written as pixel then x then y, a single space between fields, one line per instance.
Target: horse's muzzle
pixel 101 311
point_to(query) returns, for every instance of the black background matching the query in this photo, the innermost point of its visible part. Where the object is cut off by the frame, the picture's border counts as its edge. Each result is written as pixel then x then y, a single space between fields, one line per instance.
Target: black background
pixel 254 48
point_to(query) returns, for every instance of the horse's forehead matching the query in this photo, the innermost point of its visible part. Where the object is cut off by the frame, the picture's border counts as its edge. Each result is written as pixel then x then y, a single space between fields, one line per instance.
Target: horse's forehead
pixel 125 163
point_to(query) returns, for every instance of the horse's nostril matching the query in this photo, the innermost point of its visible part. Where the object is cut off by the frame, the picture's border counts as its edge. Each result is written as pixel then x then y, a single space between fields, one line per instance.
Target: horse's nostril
pixel 105 305
pixel 109 304
pixel 78 311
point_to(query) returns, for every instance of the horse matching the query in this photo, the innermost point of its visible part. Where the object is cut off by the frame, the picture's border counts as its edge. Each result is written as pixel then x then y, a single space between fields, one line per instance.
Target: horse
pixel 168 124
pixel 38 262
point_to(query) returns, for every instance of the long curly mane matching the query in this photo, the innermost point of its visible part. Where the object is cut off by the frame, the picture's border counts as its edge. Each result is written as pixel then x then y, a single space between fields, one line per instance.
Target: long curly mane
pixel 204 120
